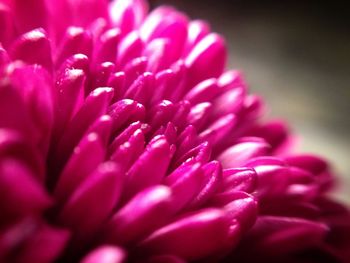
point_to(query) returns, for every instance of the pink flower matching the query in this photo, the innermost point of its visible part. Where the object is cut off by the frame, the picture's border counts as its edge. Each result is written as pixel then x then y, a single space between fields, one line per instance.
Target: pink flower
pixel 123 139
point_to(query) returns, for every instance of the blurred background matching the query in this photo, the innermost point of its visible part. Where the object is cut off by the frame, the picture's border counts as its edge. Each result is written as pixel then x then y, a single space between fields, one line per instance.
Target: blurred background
pixel 297 55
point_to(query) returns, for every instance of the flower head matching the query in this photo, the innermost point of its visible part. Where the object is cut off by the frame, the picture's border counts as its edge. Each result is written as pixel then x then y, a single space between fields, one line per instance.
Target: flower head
pixel 124 139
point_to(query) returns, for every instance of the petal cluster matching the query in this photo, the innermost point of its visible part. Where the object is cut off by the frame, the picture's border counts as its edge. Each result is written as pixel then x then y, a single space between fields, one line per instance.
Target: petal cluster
pixel 123 138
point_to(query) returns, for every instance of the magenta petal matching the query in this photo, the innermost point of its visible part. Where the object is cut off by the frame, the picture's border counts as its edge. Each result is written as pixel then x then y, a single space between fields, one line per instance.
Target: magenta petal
pixel 99 76
pixel 127 152
pixel 30 14
pixel 168 81
pixel 21 193
pixel 146 211
pixel 14 146
pixel 209 51
pixel 238 154
pixel 207 229
pixel 272 176
pixel 14 112
pixel 68 90
pixel 107 46
pixel 203 91
pixel 182 110
pixel 7 26
pixel 133 68
pixel 158 56
pixel 231 80
pixel 173 26
pixel 239 179
pixel 76 61
pixel 281 235
pixel 199 115
pixel 95 105
pixel 153 21
pixel 310 163
pixel 103 128
pixel 200 153
pixel 244 210
pixel 93 200
pixel 219 130
pixel 30 45
pixel 34 84
pixel 230 101
pixel 276 133
pixel 158 152
pixel 185 182
pixel 125 134
pixel 85 12
pixel 74 173
pixel 105 254
pixel 51 241
pixel 185 142
pixel 124 112
pixel 161 113
pixel 128 14
pixel 75 41
pixel 141 88
pixel 129 48
pixel 212 177
pixel 197 30
pixel 117 82
pixel 316 165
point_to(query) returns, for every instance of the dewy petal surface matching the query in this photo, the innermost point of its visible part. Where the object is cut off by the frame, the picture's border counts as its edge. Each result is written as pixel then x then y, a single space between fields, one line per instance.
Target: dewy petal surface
pixel 124 138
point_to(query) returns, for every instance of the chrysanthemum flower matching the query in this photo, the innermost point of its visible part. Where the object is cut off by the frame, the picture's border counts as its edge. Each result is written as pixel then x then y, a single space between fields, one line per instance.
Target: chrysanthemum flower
pixel 123 139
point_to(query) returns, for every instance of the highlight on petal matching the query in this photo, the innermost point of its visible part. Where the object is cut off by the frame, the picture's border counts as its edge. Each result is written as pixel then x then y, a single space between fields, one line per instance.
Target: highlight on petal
pixel 105 254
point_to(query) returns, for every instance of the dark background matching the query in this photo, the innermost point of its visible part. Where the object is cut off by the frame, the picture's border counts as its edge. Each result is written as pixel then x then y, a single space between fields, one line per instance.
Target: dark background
pixel 297 55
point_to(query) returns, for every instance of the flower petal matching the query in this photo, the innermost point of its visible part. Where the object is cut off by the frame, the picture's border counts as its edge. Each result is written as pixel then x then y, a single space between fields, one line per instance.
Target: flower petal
pixel 146 211
pixel 92 201
pixel 105 254
pixel 207 228
pixel 159 152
